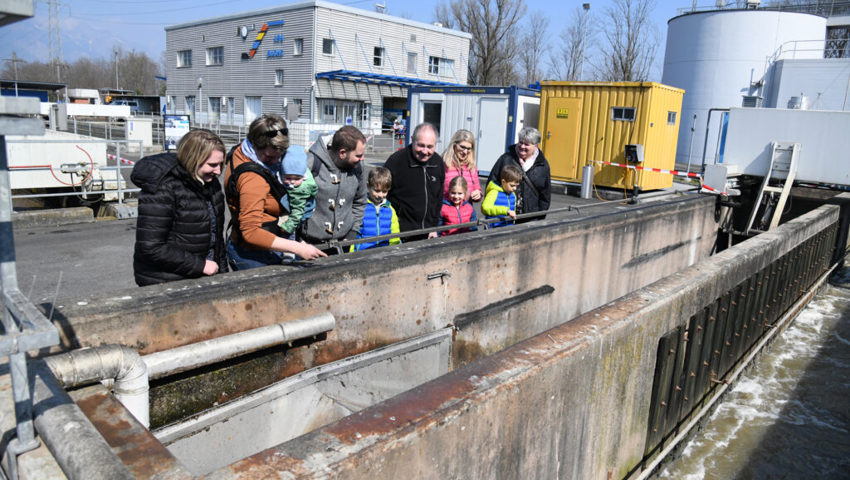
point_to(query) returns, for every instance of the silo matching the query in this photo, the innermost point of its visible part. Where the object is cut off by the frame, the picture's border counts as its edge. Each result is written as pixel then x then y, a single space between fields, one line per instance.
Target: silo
pixel 718 57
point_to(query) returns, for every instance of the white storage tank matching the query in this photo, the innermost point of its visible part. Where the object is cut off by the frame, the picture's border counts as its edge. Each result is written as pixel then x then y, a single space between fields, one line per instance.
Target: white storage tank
pixel 718 57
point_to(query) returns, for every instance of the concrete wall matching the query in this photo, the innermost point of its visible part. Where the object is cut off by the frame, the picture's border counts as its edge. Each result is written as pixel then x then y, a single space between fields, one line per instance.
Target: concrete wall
pixel 573 402
pixel 382 296
pixel 546 271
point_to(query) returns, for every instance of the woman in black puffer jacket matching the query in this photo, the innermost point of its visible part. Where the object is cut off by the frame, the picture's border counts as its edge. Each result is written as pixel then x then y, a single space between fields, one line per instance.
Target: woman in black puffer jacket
pixel 179 231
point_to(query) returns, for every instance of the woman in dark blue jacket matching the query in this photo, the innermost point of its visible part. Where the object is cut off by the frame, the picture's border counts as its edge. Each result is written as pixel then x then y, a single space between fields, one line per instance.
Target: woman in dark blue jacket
pixel 179 231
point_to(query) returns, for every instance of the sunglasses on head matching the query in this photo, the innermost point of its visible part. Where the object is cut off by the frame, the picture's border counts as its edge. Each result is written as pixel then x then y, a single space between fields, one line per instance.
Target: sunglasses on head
pixel 273 133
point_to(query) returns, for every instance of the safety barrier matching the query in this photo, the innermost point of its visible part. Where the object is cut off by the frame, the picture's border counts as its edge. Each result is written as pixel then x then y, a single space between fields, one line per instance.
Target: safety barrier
pixel 677 173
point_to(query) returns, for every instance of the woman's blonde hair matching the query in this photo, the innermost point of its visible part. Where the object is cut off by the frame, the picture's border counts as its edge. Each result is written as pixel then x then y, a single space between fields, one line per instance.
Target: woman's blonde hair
pixel 449 156
pixel 263 126
pixel 195 148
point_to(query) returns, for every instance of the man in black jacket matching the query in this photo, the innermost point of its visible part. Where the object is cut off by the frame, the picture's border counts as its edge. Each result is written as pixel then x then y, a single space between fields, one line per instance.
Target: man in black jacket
pixel 418 176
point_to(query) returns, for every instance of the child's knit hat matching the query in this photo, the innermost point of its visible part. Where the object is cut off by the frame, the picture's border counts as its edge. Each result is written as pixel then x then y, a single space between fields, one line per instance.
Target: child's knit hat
pixel 295 161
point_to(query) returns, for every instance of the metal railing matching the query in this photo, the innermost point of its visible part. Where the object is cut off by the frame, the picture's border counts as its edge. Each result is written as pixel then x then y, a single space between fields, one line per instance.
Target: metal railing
pixel 25 327
pixel 824 9
pixel 342 246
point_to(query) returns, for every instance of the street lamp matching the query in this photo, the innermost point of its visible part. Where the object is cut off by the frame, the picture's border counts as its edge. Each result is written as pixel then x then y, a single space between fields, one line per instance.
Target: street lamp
pixel 200 99
pixel 586 7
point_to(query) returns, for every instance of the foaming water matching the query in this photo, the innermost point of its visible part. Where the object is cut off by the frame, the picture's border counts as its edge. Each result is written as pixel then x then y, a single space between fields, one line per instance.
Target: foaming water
pixel 788 417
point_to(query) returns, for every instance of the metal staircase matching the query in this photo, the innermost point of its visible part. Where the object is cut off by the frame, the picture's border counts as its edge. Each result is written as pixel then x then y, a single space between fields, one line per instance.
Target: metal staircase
pixel 773 193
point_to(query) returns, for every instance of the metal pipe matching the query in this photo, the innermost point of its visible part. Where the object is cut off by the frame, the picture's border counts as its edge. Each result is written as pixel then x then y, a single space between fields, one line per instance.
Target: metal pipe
pixel 79 449
pixel 587 181
pixel 187 357
pixel 123 364
pixel 131 372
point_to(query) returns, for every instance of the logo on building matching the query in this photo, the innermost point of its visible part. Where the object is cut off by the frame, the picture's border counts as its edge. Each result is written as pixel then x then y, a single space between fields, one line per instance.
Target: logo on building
pixel 260 35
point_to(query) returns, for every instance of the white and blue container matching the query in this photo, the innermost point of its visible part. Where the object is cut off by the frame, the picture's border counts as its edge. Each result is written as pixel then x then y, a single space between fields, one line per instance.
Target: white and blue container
pixel 493 114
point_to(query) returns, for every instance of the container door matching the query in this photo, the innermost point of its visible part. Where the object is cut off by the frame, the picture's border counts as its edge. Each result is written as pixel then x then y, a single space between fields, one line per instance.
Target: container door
pixel 492 130
pixel 560 137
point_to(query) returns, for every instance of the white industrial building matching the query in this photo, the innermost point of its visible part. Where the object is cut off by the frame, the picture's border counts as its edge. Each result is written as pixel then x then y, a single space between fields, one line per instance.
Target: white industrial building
pixel 766 91
pixel 314 62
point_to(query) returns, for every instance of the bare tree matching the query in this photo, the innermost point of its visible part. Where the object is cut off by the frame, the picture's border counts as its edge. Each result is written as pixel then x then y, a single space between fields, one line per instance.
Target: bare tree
pixel 535 46
pixel 493 26
pixel 566 60
pixel 630 41
pixel 137 72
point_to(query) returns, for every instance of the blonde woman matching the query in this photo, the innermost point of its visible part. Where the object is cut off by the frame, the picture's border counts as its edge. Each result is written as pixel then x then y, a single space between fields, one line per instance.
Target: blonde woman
pixel 179 230
pixel 459 159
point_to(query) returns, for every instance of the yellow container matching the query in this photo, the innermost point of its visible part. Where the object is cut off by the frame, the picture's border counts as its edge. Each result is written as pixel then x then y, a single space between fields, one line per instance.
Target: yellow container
pixel 584 123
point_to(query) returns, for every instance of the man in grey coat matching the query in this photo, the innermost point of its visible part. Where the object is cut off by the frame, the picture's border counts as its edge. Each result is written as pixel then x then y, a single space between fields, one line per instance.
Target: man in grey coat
pixel 341 199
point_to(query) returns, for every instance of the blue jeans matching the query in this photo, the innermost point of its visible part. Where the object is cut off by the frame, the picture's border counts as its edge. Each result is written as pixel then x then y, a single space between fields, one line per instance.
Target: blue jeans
pixel 241 258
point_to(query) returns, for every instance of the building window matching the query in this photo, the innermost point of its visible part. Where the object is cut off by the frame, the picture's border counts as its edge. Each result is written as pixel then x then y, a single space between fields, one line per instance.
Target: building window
pixel 298 48
pixel 329 112
pixel 671 118
pixel 278 77
pixel 447 66
pixel 437 66
pixel 626 114
pixel 184 58
pixel 434 65
pixel 296 105
pixel 190 105
pixel 411 62
pixel 328 46
pixel 214 110
pixel 379 57
pixel 342 111
pixel 215 56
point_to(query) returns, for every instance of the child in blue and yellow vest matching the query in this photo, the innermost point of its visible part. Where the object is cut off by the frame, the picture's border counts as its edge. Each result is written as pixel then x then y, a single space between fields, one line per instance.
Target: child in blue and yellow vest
pixel 380 217
pixel 500 201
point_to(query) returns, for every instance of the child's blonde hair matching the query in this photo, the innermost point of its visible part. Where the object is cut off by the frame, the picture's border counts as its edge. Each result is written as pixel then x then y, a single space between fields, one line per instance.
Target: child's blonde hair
pixel 459 182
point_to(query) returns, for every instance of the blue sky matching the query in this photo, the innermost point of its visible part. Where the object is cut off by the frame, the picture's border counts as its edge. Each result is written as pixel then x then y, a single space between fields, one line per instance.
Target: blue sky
pixel 91 28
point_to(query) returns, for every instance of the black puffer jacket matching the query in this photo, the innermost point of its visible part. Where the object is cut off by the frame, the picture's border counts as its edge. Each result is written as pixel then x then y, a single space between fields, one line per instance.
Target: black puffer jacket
pixel 530 199
pixel 173 233
pixel 417 191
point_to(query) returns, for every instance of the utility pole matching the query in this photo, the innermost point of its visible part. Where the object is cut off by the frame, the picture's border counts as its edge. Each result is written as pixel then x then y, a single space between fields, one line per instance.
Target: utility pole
pixel 586 7
pixel 115 52
pixel 15 60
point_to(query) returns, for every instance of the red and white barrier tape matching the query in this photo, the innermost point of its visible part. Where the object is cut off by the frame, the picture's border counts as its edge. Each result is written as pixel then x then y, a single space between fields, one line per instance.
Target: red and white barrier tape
pixel 651 169
pixel 120 159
